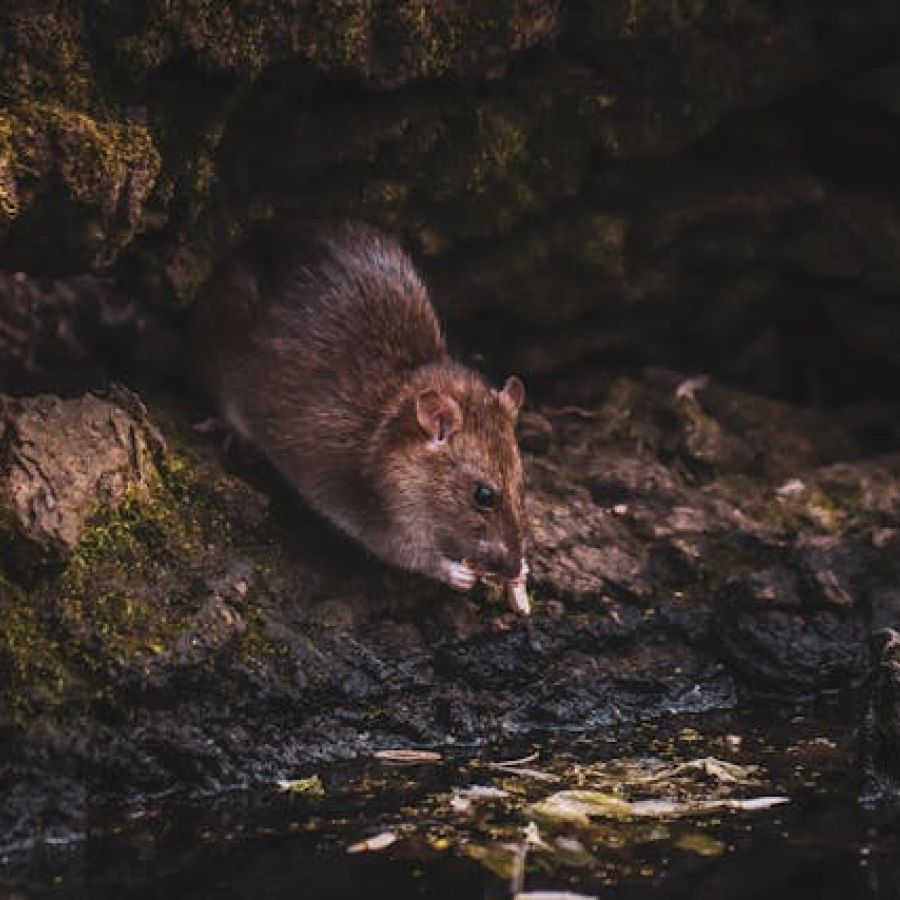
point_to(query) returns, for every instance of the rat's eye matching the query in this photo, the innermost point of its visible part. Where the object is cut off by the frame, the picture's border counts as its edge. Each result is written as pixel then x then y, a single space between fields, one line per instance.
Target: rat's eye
pixel 485 497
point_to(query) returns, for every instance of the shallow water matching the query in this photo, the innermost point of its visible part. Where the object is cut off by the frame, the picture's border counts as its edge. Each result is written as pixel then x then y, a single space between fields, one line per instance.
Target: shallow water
pixel 269 844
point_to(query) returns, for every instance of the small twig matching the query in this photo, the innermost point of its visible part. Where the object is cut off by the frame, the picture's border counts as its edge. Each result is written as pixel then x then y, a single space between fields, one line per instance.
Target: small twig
pixel 526 773
pixel 404 757
pixel 521 761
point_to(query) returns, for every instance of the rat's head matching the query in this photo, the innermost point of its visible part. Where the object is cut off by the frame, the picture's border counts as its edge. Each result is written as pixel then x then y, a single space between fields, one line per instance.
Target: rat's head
pixel 451 474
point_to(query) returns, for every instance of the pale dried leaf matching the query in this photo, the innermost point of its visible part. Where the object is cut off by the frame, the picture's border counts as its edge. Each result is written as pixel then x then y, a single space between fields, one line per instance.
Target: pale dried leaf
pixel 405 757
pixel 377 842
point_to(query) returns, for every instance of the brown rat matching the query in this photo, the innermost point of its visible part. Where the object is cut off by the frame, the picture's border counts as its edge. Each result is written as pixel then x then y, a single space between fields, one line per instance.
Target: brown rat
pixel 322 349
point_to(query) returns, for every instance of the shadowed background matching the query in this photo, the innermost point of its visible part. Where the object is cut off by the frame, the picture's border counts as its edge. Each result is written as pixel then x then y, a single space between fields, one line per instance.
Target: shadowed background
pixel 707 185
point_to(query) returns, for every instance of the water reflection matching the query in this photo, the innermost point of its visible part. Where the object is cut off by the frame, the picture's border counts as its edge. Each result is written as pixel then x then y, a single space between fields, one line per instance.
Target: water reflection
pixel 464 827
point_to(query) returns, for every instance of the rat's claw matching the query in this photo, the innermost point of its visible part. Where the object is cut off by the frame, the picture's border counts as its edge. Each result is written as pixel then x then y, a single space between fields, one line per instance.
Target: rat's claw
pixel 459 575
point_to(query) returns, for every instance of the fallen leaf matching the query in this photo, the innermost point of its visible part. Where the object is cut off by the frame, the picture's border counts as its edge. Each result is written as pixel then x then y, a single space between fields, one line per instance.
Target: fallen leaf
pixel 524 772
pixel 408 757
pixel 481 792
pixel 580 807
pixel 377 842
pixel 521 761
pixel 501 859
pixel 312 786
pixel 701 844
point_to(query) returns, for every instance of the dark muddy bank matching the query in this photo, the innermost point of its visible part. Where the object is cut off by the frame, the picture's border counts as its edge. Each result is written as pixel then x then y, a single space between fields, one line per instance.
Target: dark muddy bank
pixel 169 625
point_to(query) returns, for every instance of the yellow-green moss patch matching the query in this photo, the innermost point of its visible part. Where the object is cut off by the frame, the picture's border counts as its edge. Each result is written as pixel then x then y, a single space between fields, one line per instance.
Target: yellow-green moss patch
pixel 33 675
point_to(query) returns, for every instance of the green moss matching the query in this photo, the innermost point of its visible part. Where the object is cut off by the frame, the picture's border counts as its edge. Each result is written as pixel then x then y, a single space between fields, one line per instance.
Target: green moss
pixel 227 36
pixel 503 146
pixel 437 40
pixel 9 198
pixel 189 123
pixel 817 510
pixel 93 158
pixel 256 649
pixel 485 179
pixel 125 595
pixel 503 159
pixel 129 588
pixel 114 619
pixel 46 56
pixel 212 31
pixel 33 673
pixel 345 34
pixel 116 595
pixel 106 168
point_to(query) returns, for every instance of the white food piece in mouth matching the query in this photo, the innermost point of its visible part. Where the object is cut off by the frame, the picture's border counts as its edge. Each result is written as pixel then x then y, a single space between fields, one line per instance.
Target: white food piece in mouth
pixel 518 597
pixel 517 592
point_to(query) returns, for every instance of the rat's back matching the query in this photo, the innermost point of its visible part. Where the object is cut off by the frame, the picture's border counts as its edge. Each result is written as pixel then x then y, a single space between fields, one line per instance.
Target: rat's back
pixel 341 291
pixel 305 332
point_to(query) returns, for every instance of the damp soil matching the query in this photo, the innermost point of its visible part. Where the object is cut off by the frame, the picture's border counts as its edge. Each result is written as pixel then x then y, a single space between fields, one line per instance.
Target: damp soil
pixel 461 827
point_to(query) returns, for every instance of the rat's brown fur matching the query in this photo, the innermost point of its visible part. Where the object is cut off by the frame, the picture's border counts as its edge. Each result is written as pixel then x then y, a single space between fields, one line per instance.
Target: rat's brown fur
pixel 322 348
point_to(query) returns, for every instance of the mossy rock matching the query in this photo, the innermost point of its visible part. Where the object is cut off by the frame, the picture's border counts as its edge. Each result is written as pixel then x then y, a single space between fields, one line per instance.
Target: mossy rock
pixel 125 607
pixel 103 171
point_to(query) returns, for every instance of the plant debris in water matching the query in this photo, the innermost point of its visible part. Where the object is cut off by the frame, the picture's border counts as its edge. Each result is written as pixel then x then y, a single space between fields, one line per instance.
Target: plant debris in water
pixel 380 841
pixel 580 807
pixel 403 757
pixel 684 799
pixel 312 786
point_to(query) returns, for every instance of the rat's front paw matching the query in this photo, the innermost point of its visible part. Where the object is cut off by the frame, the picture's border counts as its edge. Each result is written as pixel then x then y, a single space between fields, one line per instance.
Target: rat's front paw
pixel 459 575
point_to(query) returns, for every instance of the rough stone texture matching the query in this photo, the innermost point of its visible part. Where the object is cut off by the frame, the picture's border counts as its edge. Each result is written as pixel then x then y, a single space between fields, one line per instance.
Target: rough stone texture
pixel 706 185
pixel 74 334
pixel 63 461
pixel 881 785
pixel 669 574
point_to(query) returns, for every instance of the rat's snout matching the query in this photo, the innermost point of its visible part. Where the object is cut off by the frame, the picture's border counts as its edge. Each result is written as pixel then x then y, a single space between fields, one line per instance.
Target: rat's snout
pixel 499 558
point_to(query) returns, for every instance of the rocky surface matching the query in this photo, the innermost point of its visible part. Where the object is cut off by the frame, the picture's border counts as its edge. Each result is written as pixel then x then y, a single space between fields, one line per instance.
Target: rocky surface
pixel 881 762
pixel 696 184
pixel 196 629
pixel 65 461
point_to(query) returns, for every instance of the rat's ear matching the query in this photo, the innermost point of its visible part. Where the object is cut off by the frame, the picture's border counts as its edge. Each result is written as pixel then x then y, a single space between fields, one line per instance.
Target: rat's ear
pixel 439 415
pixel 512 396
